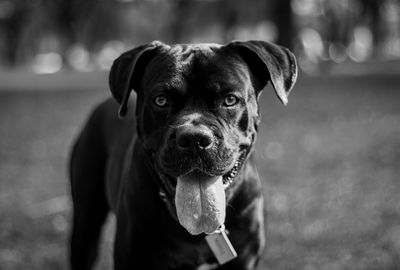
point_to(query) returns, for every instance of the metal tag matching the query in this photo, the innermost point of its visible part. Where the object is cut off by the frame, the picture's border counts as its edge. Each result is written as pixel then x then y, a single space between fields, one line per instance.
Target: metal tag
pixel 221 247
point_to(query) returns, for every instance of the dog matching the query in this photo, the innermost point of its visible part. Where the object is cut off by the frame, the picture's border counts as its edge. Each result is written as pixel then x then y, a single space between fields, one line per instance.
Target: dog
pixel 175 164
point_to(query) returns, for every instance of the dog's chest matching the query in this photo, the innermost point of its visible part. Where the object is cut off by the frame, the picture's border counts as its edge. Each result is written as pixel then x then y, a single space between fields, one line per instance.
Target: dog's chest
pixel 191 256
pixel 207 266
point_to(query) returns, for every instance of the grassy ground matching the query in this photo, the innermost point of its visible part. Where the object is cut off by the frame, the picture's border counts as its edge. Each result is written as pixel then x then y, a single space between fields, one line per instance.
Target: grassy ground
pixel 330 164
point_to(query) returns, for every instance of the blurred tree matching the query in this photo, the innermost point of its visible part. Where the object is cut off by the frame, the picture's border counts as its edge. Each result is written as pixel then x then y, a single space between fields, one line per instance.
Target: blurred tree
pixel 283 18
pixel 29 27
pixel 337 24
pixel 198 15
pixel 372 13
pixel 13 17
pixel 58 24
pixel 181 9
pixel 63 17
pixel 229 19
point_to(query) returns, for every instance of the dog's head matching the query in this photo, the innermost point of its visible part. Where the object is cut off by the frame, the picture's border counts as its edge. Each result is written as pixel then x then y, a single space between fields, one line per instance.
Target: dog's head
pixel 197 114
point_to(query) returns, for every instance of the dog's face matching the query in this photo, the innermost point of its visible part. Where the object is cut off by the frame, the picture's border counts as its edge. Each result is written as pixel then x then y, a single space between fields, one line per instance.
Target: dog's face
pixel 197 114
pixel 198 109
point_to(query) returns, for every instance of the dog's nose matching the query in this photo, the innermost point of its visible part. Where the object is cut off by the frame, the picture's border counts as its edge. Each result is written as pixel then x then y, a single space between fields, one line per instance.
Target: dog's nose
pixel 199 137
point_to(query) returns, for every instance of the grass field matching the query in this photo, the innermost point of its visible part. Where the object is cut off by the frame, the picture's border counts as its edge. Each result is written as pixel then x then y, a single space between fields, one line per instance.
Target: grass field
pixel 330 161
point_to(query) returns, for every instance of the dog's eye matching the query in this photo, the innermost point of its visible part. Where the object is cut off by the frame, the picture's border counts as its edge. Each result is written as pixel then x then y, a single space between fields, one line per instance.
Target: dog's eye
pixel 160 101
pixel 230 100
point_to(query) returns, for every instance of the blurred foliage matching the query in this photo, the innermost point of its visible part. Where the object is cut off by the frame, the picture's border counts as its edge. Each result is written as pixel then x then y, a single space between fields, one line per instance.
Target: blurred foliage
pixel 83 35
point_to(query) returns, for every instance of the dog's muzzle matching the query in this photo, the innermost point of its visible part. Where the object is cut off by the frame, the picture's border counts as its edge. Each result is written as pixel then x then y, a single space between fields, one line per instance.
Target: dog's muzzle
pixel 191 148
pixel 200 167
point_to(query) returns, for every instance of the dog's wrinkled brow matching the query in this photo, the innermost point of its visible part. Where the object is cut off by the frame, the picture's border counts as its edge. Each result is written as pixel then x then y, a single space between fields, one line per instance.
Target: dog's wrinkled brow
pixel 170 87
pixel 222 87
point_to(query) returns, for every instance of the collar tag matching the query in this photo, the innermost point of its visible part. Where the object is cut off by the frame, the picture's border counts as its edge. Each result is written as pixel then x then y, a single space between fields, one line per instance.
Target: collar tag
pixel 221 246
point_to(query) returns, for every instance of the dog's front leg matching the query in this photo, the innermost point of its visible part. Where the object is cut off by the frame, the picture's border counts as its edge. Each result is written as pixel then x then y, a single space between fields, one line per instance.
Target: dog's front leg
pixel 135 248
pixel 248 237
pixel 248 258
pixel 137 241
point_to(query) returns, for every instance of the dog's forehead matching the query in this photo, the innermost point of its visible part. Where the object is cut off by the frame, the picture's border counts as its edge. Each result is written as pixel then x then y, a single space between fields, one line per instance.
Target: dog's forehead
pixel 205 63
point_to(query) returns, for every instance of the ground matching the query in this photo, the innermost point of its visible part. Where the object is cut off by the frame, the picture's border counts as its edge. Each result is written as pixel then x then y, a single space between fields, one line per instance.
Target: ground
pixel 329 163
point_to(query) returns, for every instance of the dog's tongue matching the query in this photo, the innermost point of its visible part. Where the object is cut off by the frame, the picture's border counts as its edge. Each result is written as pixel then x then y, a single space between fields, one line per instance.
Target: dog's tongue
pixel 200 203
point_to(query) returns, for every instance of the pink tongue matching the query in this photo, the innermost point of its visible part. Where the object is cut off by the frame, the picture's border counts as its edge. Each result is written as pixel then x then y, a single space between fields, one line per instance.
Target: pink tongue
pixel 200 203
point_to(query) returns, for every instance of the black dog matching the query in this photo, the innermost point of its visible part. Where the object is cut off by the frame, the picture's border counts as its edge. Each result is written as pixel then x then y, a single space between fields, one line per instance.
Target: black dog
pixel 180 167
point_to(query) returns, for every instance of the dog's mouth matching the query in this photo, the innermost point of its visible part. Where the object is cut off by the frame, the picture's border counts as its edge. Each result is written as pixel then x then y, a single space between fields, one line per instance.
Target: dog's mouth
pixel 227 179
pixel 200 197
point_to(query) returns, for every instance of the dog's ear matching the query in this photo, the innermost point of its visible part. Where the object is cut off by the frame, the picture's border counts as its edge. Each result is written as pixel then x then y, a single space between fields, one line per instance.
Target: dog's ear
pixel 126 72
pixel 269 62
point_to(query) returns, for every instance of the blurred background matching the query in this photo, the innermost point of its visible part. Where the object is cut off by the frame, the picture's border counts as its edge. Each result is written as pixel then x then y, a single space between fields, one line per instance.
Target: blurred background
pixel 330 160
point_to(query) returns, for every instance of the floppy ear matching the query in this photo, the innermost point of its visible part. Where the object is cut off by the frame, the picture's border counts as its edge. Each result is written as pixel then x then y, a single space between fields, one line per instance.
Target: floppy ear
pixel 126 72
pixel 269 62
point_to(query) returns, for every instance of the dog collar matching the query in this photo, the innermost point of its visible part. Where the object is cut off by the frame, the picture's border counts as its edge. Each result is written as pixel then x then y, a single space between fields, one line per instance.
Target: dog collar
pixel 220 245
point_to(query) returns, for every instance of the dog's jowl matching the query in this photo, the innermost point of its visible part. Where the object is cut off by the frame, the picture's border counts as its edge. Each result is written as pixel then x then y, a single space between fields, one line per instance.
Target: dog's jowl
pixel 175 163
